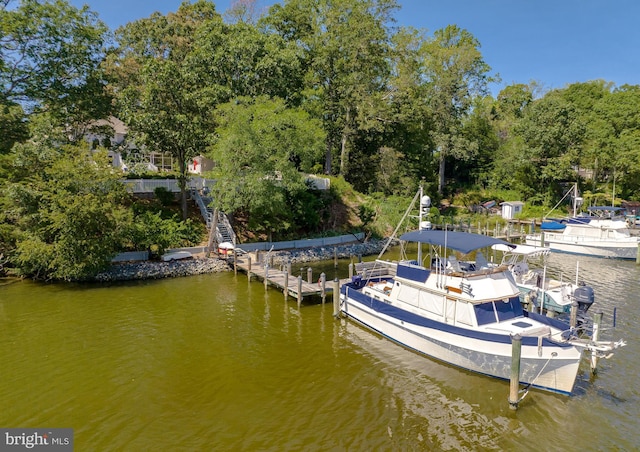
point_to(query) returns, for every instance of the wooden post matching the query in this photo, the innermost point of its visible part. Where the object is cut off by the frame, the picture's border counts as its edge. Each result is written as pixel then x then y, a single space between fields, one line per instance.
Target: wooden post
pixel 514 380
pixel 541 238
pixel 323 281
pixel 638 255
pixel 212 232
pixel 532 228
pixel 235 262
pixel 597 320
pixel 335 257
pixel 266 276
pixel 336 297
pixel 350 270
pixel 286 284
pixel 289 267
pixel 309 275
pixel 249 267
pixel 299 290
pixel 574 314
pixel 257 256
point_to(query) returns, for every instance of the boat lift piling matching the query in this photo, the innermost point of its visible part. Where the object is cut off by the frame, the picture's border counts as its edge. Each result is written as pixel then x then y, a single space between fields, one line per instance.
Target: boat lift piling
pixel 514 381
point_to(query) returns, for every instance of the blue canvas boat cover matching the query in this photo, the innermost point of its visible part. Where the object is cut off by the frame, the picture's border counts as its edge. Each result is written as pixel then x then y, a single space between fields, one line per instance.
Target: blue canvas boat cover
pixel 552 226
pixel 463 242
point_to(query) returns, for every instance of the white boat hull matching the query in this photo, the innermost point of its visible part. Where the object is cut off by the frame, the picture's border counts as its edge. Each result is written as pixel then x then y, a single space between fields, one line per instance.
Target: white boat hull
pixel 579 245
pixel 551 368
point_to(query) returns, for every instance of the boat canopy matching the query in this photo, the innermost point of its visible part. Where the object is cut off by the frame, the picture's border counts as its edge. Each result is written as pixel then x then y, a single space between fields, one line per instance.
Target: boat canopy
pixel 605 208
pixel 463 242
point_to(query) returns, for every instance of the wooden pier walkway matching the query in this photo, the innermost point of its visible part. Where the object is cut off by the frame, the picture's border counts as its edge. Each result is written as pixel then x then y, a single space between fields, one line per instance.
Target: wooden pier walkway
pixel 294 286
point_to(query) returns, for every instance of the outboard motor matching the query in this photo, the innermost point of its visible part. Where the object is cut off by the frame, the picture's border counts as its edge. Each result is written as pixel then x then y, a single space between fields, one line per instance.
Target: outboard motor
pixel 585 297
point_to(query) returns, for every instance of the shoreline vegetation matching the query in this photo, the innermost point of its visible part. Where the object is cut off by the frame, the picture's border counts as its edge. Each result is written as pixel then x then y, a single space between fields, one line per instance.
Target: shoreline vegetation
pixel 131 271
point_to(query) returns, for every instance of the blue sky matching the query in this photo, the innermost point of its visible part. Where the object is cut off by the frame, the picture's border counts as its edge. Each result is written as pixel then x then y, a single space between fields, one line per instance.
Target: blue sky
pixel 552 42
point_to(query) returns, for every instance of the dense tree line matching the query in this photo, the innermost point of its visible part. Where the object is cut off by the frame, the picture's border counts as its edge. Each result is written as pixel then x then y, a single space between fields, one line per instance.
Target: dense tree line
pixel 310 86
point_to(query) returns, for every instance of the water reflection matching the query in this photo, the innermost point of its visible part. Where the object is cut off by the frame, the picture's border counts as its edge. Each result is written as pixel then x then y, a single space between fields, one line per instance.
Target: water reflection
pixel 215 362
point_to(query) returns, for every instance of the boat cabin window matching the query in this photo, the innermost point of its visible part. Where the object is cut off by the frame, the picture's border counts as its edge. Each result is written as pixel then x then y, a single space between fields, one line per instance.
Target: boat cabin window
pixel 485 313
pixel 508 309
pixel 498 311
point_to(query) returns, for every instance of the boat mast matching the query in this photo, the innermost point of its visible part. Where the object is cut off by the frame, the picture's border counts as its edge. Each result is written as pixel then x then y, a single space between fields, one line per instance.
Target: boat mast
pixel 406 214
pixel 420 225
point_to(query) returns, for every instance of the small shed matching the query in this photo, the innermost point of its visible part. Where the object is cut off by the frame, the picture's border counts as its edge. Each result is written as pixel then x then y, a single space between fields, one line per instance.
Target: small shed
pixel 511 208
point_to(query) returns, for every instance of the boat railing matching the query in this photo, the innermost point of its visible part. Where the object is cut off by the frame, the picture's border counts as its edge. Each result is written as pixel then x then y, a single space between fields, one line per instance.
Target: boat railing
pixel 464 269
pixel 376 269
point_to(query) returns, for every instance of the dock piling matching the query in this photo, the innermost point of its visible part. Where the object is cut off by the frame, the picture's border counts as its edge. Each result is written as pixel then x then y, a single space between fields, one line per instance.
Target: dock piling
pixel 323 290
pixel 309 275
pixel 574 314
pixel 336 298
pixel 597 320
pixel 286 284
pixel 514 380
pixel 266 275
pixel 299 290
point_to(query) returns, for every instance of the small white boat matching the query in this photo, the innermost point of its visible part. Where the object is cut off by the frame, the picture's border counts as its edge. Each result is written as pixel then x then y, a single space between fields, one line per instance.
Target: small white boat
pixel 538 290
pixel 602 232
pixel 593 235
pixel 466 314
pixel 176 256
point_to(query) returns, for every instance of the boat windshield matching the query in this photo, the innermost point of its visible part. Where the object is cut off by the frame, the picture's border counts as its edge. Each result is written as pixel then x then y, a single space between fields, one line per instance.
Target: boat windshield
pixel 498 311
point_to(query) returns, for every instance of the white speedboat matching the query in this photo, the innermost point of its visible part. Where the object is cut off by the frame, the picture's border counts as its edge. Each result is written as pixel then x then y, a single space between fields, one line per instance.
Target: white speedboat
pixel 466 314
pixel 538 290
pixel 601 234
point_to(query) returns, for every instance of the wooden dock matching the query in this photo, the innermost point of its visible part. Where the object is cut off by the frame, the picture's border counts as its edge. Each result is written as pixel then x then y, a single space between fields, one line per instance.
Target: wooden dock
pixel 294 286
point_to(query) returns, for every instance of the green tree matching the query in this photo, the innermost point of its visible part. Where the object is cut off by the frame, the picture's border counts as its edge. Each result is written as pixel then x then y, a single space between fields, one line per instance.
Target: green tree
pixel 12 124
pixel 346 45
pixel 456 72
pixel 261 154
pixel 552 135
pixel 154 84
pixel 614 133
pixel 50 53
pixel 64 209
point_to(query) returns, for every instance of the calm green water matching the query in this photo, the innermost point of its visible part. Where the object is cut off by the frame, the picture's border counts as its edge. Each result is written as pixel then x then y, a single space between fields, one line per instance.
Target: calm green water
pixel 216 363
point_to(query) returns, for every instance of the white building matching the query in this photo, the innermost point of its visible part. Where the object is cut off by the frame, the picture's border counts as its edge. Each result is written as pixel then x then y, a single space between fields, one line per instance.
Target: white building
pixel 511 208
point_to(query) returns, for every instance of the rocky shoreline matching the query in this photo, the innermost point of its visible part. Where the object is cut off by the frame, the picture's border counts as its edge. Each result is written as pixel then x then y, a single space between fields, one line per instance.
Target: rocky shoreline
pixel 202 265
